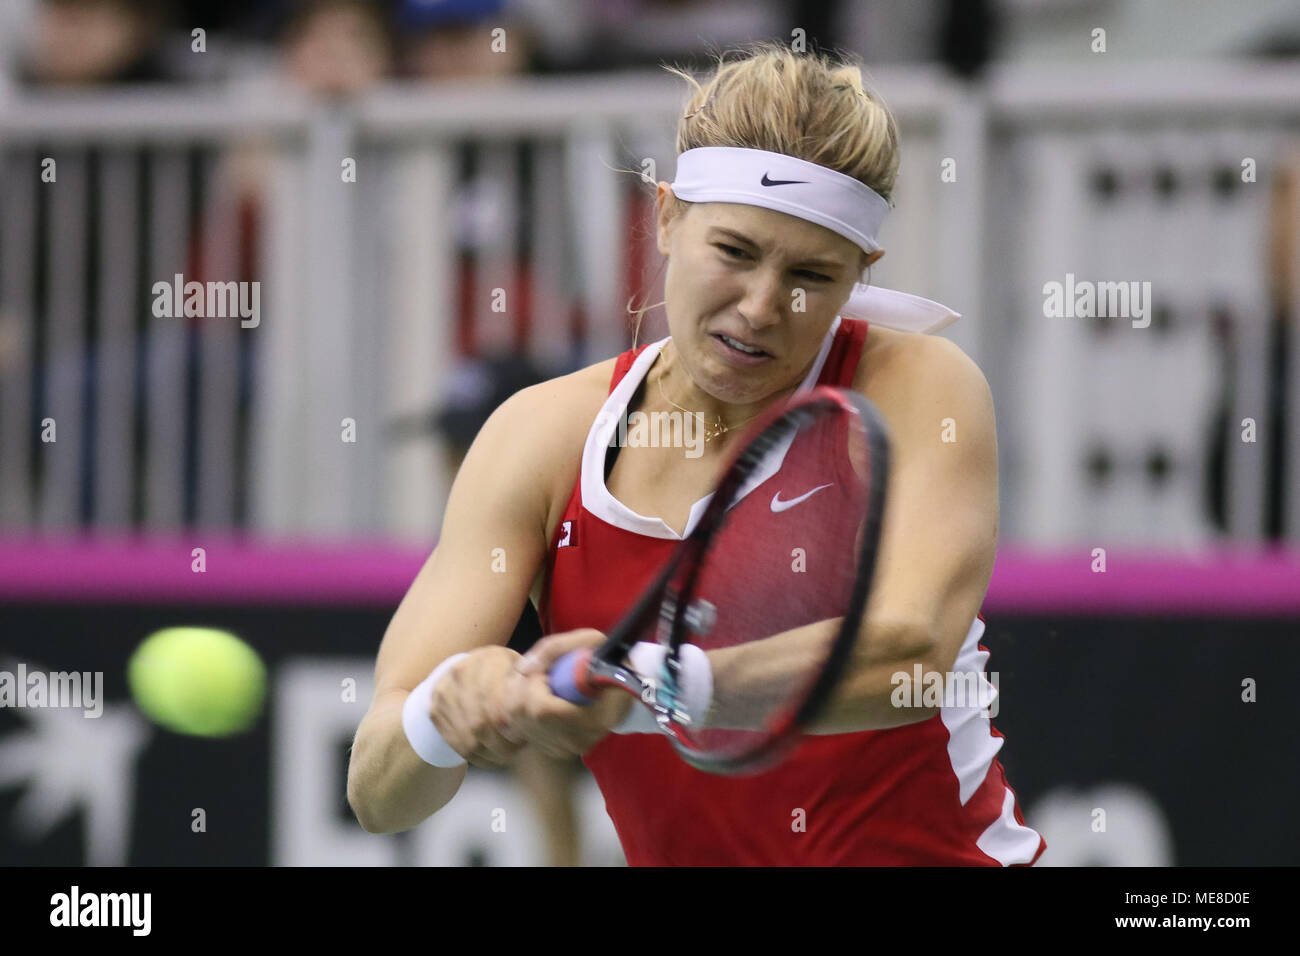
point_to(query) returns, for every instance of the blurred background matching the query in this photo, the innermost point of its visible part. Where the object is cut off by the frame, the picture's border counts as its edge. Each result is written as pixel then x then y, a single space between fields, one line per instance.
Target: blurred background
pixel 404 210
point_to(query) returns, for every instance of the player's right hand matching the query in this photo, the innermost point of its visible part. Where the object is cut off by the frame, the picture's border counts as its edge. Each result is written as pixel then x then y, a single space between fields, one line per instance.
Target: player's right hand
pixel 466 702
pixel 554 726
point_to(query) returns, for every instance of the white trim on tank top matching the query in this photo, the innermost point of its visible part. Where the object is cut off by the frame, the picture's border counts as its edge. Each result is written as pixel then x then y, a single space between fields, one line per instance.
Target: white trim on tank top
pixel 596 497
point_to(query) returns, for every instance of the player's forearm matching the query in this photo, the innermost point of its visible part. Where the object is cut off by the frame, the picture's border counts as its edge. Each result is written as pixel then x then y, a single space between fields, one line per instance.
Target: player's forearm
pixel 390 788
pixel 751 680
pixel 867 696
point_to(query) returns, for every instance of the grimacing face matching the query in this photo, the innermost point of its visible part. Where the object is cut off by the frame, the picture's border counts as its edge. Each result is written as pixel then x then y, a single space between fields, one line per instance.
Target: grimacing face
pixel 732 271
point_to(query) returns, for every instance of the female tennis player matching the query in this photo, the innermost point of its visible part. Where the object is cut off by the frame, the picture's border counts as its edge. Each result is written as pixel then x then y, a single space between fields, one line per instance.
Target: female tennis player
pixel 785 169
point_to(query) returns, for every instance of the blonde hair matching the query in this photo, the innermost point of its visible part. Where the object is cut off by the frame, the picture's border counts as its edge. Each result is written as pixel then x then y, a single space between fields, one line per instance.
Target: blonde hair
pixel 805 105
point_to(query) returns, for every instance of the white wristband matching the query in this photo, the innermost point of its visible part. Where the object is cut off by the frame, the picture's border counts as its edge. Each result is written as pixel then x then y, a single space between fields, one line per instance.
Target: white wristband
pixel 421 732
pixel 695 678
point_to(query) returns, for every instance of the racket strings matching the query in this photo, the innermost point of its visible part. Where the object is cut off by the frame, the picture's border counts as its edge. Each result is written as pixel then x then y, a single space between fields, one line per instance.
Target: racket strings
pixel 784 561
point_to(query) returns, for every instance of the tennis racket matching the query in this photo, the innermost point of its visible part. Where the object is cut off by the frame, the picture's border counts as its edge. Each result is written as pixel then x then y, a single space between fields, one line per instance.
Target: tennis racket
pixel 727 650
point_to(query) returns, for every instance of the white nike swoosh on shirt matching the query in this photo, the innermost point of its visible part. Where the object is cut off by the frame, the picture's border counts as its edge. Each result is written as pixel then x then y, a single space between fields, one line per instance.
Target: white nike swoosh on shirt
pixel 779 505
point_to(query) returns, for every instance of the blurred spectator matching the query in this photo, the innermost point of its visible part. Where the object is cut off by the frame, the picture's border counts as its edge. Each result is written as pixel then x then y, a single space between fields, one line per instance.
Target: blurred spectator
pixel 474 392
pixel 90 42
pixel 331 49
pixel 337 47
pixel 454 39
pixel 967 36
pixel 626 34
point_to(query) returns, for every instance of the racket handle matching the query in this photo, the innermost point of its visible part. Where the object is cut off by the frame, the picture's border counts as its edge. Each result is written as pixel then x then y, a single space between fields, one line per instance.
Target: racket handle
pixel 569 678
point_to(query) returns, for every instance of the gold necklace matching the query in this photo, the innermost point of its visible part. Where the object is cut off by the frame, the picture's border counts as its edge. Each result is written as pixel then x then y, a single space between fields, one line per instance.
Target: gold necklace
pixel 718 428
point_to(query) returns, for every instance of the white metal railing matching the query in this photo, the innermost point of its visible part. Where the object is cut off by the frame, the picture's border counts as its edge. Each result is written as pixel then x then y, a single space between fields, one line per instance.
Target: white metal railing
pixel 359 280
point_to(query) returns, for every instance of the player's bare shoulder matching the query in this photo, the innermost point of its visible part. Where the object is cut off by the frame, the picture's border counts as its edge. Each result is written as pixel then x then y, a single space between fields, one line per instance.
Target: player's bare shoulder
pixel 547 426
pixel 919 380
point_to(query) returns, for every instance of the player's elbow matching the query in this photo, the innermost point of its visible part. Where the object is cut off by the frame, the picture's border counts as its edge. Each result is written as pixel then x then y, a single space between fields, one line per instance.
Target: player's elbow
pixel 361 812
pixel 363 807
pixel 370 813
pixel 924 647
pixel 900 642
pixel 389 788
pixel 371 825
pixel 364 786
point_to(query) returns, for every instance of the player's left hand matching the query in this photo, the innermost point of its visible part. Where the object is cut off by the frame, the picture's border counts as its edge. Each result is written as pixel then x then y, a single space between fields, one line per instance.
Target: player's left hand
pixel 530 712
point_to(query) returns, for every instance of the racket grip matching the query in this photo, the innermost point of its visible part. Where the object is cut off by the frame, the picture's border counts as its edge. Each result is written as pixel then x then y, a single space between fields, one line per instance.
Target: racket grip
pixel 568 678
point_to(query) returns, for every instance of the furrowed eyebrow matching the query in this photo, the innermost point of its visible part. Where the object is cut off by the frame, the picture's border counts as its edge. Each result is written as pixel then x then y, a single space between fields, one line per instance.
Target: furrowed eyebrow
pixel 812 261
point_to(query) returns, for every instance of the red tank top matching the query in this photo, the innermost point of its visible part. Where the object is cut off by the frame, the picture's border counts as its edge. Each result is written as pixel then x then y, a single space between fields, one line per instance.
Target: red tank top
pixel 928 793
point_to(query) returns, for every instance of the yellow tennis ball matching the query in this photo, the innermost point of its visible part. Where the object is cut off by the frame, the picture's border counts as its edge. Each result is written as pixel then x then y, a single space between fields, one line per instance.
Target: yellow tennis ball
pixel 197 680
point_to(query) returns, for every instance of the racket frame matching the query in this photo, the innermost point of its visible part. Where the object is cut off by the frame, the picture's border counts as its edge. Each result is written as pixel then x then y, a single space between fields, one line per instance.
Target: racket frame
pixel 671 600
